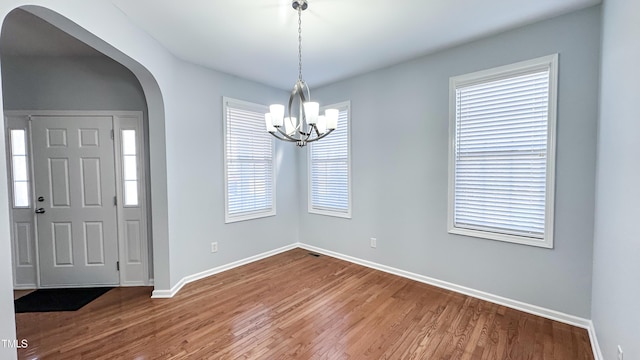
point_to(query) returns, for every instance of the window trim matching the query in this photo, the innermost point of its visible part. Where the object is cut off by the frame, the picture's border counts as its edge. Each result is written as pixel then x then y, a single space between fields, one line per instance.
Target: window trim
pixel 550 62
pixel 249 215
pixel 310 208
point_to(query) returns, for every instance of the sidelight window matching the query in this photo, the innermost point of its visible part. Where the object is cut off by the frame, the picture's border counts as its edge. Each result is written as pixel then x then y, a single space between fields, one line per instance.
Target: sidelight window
pixel 20 168
pixel 130 167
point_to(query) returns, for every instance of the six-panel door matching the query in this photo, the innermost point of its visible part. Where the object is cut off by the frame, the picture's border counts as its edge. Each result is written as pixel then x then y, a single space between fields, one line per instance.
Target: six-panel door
pixel 75 192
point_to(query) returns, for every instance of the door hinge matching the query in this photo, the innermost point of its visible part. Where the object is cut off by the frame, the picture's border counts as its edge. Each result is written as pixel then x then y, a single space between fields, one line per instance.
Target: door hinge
pixel 118 265
pixel 113 135
pixel 115 200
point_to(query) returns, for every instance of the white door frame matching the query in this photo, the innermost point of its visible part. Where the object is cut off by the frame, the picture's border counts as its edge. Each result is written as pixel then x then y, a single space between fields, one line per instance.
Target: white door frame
pixel 133 271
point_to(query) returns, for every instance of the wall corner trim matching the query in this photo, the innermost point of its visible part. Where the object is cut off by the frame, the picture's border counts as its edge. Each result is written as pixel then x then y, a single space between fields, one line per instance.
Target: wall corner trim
pixel 595 345
pixel 166 294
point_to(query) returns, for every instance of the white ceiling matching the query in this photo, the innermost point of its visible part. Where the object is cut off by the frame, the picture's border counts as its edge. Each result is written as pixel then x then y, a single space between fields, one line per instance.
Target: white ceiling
pixel 257 39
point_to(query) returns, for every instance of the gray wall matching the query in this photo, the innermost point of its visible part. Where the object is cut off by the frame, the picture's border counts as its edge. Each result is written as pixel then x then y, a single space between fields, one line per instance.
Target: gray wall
pixel 196 172
pixel 616 270
pixel 69 83
pixel 399 168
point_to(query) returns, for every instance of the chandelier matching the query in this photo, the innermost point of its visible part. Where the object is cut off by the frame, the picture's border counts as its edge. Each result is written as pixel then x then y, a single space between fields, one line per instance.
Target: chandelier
pixel 309 125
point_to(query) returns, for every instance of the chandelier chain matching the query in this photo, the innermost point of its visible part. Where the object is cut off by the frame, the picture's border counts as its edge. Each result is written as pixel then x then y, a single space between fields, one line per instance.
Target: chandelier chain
pixel 300 43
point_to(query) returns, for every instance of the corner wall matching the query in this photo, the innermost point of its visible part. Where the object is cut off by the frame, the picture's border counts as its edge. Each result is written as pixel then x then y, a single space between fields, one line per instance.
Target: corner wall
pixel 616 267
pixel 400 120
pixel 196 176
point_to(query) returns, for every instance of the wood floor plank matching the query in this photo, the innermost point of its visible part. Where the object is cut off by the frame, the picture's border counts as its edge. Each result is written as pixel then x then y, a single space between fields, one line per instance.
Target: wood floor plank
pixel 296 306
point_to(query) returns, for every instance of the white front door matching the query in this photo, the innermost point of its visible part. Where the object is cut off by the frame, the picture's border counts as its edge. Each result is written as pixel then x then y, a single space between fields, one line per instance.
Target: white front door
pixel 75 189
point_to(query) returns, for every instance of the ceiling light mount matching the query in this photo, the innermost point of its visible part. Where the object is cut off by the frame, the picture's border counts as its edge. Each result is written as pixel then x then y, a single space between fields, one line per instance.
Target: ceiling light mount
pixel 302 4
pixel 311 126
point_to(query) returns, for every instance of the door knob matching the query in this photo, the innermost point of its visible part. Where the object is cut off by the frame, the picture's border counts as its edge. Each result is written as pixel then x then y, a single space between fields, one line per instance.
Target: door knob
pixel 40 211
pixel 40 198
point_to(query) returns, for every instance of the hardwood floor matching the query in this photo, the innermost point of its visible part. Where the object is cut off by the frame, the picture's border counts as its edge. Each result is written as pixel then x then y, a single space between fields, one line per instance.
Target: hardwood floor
pixel 296 306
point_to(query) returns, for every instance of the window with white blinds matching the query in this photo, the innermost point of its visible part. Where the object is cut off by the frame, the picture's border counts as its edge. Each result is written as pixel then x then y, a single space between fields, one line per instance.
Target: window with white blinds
pixel 329 167
pixel 502 153
pixel 248 162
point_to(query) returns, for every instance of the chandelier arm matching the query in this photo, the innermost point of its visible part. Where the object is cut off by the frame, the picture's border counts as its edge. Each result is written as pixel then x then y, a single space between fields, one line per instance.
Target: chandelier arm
pixel 294 91
pixel 320 137
pixel 298 90
pixel 291 97
pixel 280 138
pixel 287 137
pixel 303 113
pixel 303 86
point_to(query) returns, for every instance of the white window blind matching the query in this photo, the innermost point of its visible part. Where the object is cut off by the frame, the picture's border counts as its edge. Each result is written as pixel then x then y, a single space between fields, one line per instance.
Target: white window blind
pixel 502 155
pixel 249 173
pixel 329 169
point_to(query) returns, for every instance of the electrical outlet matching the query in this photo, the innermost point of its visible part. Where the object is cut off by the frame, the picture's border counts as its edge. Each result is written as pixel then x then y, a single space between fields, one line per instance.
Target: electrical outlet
pixel 214 247
pixel 374 242
pixel 620 353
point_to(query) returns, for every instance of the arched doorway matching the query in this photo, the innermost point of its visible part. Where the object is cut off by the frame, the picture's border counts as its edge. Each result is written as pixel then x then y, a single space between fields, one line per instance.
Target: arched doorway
pixel 155 104
pixel 53 83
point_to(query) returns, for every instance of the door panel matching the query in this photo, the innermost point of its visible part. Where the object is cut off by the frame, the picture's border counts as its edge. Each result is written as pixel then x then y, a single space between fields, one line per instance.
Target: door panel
pixel 74 173
pixel 94 243
pixel 133 241
pixel 91 182
pixel 58 175
pixel 22 231
pixel 62 244
pixel 21 205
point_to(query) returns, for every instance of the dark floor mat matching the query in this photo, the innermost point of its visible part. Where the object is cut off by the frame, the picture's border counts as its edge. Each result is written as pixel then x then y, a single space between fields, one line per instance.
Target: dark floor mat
pixel 46 300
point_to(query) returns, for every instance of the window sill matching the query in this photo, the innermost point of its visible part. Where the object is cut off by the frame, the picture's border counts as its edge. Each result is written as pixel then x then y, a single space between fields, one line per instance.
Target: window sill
pixel 251 216
pixel 523 240
pixel 346 215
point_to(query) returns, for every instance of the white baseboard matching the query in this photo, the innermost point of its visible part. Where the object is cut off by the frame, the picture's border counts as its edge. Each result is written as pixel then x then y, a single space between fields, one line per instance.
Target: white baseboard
pixel 595 345
pixel 164 294
pixel 167 294
pixel 514 304
pixel 134 284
